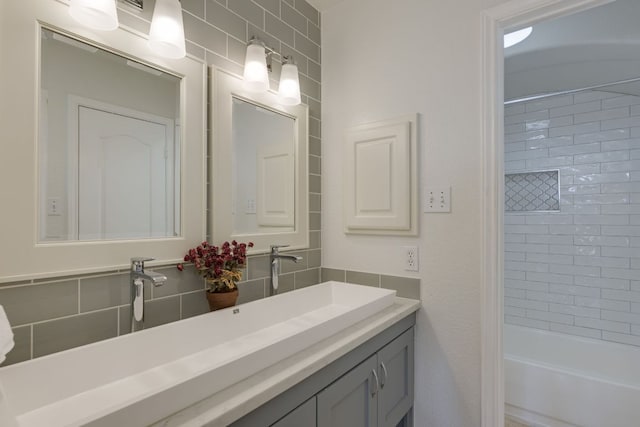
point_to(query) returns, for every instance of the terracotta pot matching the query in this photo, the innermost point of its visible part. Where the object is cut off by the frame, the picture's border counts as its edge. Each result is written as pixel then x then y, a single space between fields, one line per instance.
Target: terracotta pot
pixel 219 300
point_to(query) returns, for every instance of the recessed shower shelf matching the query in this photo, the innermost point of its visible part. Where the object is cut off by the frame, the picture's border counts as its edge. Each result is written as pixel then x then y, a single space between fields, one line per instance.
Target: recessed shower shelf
pixel 535 191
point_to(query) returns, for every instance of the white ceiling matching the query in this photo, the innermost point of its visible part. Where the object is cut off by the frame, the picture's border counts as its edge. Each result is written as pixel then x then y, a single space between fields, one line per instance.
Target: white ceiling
pixel 598 46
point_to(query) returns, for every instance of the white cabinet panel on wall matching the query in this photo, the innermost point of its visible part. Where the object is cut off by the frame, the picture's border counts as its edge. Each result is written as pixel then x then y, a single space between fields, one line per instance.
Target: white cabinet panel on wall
pixel 380 195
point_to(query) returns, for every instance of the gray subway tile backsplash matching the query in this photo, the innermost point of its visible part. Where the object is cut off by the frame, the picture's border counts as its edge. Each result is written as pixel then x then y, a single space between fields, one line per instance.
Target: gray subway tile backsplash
pixel 257 267
pixel 225 20
pixel 361 278
pixel 193 304
pixel 315 221
pixel 315 240
pixel 307 47
pixel 315 185
pixel 286 283
pixel 195 7
pixel 406 287
pixel 161 311
pixel 34 303
pixel 248 10
pixel 272 6
pixel 314 259
pixel 277 28
pixel 104 291
pixel 22 346
pixel 251 290
pixel 308 11
pixel 313 32
pixel 307 278
pixel 68 332
pixel 294 18
pixel 328 274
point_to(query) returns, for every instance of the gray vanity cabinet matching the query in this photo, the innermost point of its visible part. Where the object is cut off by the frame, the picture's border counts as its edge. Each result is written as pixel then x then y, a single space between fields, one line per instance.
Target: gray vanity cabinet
pixel 303 415
pixel 351 401
pixel 370 386
pixel 378 392
pixel 395 371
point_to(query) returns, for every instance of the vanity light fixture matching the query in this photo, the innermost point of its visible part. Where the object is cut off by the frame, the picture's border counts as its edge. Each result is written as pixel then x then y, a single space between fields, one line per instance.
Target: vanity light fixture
pixel 289 88
pixel 257 65
pixel 256 74
pixel 97 14
pixel 166 37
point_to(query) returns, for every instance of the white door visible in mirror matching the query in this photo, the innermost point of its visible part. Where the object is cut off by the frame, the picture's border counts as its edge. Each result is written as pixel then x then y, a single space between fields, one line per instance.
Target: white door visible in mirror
pixel 259 167
pixel 108 145
pixel 264 169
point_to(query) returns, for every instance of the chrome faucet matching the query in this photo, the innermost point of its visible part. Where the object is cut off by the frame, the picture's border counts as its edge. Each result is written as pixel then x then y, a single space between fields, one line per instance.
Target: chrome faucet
pixel 137 277
pixel 275 261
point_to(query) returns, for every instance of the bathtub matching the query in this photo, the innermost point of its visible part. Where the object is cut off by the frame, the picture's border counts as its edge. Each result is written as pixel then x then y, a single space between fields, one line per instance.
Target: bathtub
pixel 559 380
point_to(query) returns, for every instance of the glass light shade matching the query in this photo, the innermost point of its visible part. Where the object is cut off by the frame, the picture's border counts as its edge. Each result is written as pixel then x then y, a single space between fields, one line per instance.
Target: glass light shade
pixel 516 37
pixel 97 14
pixel 166 36
pixel 256 76
pixel 289 90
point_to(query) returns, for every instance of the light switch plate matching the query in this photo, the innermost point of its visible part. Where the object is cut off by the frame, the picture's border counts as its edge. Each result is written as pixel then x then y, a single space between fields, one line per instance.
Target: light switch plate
pixel 437 199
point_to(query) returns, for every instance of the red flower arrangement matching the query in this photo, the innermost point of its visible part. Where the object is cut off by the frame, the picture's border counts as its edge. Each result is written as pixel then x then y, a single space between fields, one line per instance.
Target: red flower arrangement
pixel 220 265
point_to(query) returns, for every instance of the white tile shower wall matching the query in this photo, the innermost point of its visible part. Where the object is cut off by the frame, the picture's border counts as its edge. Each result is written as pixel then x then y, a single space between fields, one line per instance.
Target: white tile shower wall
pixel 577 271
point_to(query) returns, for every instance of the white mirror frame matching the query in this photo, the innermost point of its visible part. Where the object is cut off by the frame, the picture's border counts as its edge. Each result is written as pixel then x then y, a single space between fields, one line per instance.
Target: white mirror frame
pixel 21 256
pixel 224 88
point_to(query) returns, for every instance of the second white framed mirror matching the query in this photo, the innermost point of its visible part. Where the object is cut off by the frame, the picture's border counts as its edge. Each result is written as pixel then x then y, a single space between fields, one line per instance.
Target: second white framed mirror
pixel 258 167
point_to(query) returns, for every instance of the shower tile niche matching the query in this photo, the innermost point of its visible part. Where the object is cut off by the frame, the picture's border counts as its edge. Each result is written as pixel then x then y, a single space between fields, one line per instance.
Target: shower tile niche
pixel 537 191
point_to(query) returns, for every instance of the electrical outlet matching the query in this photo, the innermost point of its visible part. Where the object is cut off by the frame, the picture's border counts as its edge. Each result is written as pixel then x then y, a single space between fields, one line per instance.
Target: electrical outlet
pixel 437 199
pixel 411 258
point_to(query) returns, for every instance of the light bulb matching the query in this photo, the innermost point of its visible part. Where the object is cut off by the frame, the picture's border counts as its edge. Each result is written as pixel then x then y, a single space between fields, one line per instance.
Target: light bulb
pixel 256 75
pixel 289 89
pixel 166 36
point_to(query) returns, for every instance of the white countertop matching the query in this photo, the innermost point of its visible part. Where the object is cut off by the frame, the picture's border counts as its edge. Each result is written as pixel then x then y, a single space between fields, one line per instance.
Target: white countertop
pixel 231 403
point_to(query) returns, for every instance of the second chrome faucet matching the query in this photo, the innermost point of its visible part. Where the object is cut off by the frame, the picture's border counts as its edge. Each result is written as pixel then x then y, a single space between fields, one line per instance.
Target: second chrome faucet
pixel 137 277
pixel 275 258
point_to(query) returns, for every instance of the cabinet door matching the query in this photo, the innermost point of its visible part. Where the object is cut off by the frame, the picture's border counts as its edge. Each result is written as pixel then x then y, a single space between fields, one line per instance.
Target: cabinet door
pixel 395 370
pixel 303 415
pixel 351 400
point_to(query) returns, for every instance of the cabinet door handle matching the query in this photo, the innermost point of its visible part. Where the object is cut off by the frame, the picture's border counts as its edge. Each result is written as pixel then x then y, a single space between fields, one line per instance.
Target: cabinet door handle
pixel 377 383
pixel 384 375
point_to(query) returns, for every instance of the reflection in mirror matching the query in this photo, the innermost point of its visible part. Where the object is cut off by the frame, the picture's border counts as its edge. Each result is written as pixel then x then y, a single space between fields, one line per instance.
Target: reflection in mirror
pixel 108 145
pixel 264 169
pixel 259 188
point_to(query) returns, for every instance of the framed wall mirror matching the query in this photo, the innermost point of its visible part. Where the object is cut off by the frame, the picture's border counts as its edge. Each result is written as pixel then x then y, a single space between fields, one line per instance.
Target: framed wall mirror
pixel 97 135
pixel 108 141
pixel 259 167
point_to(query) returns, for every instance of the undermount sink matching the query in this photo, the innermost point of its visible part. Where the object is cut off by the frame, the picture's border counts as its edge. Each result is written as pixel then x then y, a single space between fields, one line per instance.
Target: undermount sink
pixel 139 378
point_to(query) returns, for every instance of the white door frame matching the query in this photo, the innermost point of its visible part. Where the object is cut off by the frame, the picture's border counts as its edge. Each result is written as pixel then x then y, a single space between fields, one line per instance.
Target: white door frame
pixel 513 14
